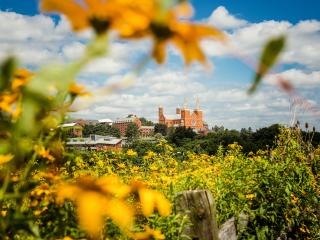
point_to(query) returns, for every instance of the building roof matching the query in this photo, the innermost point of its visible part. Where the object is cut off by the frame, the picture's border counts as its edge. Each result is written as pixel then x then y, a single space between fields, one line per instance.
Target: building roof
pixel 147 127
pixel 94 140
pixel 107 120
pixel 127 119
pixel 68 125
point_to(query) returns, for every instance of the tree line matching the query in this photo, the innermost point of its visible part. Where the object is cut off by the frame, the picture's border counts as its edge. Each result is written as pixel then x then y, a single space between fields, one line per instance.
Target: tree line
pixel 264 138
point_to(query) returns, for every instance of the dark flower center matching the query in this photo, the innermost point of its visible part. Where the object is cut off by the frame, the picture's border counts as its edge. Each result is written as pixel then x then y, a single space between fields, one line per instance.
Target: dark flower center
pixel 161 31
pixel 99 25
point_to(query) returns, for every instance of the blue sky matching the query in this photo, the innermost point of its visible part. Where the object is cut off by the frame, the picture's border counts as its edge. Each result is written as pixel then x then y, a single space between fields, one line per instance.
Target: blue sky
pixel 253 11
pixel 38 39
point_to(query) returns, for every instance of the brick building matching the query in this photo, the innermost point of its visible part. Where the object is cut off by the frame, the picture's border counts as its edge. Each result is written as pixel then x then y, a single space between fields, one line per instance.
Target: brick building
pixel 72 129
pixel 146 131
pixel 122 124
pixel 185 118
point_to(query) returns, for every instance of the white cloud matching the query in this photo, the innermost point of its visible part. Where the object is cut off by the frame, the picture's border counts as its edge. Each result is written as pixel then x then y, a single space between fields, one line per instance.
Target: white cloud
pixel 247 39
pixel 222 19
pixel 297 77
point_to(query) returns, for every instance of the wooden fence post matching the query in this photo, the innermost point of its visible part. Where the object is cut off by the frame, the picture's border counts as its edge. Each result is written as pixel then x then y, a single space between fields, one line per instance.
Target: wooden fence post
pixel 199 205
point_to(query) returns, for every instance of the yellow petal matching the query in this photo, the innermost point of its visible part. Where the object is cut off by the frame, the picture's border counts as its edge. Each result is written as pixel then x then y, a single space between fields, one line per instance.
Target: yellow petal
pixel 208 31
pixel 120 213
pixel 91 212
pixel 74 12
pixel 67 191
pixel 184 9
pixel 5 158
pixel 162 204
pixel 147 200
pixel 112 185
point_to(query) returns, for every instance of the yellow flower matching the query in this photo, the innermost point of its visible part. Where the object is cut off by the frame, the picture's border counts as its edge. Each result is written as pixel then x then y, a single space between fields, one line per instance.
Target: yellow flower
pixel 67 238
pixel 131 153
pixel 42 152
pixel 7 100
pixel 5 158
pixel 78 90
pixel 148 234
pixel 304 229
pixel 250 196
pixel 121 165
pixel 3 213
pixel 20 78
pixel 294 199
pixel 154 168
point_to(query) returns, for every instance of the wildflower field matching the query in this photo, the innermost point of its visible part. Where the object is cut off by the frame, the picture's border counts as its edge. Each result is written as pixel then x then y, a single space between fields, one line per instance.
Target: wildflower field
pixel 50 192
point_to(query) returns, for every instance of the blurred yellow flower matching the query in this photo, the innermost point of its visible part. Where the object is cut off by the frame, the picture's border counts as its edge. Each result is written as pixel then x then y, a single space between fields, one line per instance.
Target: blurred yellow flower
pixel 153 200
pixel 5 158
pixel 20 78
pixel 78 90
pixel 42 152
pixel 3 213
pixel 7 100
pixel 67 238
pixel 101 15
pixel 95 202
pixel 166 27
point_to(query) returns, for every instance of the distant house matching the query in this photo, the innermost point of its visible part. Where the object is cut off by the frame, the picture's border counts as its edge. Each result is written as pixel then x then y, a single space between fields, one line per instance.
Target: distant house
pixel 146 131
pixel 72 129
pixel 95 142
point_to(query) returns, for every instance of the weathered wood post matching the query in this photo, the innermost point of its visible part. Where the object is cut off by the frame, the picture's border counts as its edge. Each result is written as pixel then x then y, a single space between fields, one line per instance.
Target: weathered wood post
pixel 200 207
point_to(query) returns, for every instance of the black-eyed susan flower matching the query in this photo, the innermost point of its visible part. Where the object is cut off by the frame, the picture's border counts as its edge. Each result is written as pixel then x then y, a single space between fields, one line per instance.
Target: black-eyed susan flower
pixel 101 15
pixel 95 200
pixel 165 26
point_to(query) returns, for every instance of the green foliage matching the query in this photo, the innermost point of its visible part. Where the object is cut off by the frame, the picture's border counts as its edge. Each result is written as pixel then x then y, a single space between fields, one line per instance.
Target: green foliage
pixel 278 188
pixel 161 128
pixel 132 132
pixel 6 72
pixel 146 122
pixel 268 58
pixel 180 135
pixel 100 129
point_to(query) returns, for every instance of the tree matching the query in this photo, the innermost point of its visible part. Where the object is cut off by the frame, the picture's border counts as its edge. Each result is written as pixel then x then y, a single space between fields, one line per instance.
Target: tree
pixel 161 128
pixel 181 135
pixel 132 132
pixel 100 129
pixel 146 122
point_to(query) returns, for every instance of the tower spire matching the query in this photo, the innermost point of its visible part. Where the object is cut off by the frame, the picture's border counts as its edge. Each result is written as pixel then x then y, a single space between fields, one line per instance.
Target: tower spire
pixel 197 103
pixel 185 103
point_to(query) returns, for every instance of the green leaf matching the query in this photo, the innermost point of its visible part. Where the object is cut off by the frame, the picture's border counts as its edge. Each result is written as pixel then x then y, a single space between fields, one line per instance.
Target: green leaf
pixel 268 58
pixel 7 69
